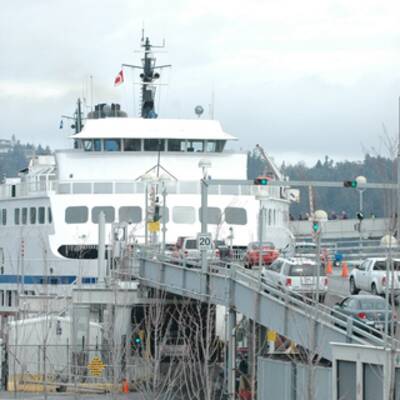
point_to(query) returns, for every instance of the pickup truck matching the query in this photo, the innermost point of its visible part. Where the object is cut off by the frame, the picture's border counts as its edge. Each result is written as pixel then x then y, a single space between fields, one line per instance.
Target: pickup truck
pixel 370 276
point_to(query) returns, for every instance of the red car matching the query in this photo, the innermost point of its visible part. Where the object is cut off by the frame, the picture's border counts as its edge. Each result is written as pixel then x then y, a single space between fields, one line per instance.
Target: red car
pixel 252 256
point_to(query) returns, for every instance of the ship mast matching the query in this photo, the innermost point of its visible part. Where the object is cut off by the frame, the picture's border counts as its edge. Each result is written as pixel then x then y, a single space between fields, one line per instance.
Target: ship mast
pixel 148 76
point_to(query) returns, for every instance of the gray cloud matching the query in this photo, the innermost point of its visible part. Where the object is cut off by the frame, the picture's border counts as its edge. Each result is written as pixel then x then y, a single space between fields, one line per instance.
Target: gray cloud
pixel 304 79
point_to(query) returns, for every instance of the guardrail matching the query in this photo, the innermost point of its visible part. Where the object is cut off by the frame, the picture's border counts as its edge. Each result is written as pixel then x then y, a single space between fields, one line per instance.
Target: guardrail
pixel 274 305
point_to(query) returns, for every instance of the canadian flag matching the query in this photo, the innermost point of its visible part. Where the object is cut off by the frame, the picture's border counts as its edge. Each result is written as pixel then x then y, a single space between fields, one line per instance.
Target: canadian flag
pixel 119 79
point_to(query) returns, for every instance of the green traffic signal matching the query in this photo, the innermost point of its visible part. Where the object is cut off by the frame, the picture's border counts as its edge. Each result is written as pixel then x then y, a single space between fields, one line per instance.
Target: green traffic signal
pixel 261 181
pixel 315 226
pixel 350 184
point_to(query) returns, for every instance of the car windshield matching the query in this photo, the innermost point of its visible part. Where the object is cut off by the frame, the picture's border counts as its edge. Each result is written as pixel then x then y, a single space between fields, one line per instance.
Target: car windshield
pixel 304 248
pixel 372 304
pixel 306 270
pixel 381 265
pixel 256 245
pixel 191 244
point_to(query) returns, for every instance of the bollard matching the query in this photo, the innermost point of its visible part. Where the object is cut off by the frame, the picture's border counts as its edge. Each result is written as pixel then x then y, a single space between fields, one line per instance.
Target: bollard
pixel 125 386
pixel 345 270
pixel 329 268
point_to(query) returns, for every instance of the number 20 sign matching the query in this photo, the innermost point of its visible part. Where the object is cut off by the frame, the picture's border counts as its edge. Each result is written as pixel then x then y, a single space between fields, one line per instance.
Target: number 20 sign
pixel 204 241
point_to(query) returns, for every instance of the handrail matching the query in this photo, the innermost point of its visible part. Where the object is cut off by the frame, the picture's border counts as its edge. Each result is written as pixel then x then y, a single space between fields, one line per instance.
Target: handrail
pixel 309 307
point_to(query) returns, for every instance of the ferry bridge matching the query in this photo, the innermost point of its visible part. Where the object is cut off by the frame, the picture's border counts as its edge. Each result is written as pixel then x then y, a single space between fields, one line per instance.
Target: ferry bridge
pixel 308 324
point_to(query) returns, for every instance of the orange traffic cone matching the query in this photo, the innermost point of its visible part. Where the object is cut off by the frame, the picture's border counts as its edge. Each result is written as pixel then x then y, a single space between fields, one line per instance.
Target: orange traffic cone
pixel 329 269
pixel 345 270
pixel 125 386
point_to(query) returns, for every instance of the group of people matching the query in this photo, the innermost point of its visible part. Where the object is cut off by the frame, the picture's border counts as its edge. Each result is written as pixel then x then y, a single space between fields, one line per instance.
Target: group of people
pixel 331 216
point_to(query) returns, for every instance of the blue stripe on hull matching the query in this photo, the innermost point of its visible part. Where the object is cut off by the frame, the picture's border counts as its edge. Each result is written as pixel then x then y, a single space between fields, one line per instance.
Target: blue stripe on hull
pixel 41 279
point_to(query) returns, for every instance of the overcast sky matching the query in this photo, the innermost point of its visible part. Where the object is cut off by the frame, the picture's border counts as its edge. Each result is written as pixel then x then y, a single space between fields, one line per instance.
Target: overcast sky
pixel 303 78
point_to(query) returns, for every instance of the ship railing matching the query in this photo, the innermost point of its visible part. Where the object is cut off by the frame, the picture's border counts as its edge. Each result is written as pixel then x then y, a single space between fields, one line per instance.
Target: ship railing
pixel 42 186
pixel 24 189
pixel 172 187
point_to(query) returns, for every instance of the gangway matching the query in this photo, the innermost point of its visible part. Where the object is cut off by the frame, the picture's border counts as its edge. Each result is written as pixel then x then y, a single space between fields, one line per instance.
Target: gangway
pixel 307 323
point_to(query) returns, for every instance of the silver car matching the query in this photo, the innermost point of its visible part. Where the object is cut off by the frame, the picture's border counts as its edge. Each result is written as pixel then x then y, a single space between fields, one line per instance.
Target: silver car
pixel 297 275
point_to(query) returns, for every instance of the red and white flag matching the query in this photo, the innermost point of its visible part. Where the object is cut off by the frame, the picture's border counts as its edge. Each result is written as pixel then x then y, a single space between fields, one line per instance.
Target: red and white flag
pixel 119 79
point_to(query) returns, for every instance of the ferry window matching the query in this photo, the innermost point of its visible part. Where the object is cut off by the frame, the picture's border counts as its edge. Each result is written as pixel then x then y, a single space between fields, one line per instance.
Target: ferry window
pixel 132 144
pixel 16 216
pixel 130 214
pixel 24 216
pixel 220 146
pixel 213 215
pixel 176 145
pixel 32 215
pixel 2 297
pixel 183 215
pixel 109 214
pixel 154 144
pixel 49 215
pixel 41 215
pixel 235 216
pixel 9 298
pixel 97 145
pixel 112 145
pixel 88 145
pixel 76 215
pixel 196 146
pixel 211 146
pixel 4 216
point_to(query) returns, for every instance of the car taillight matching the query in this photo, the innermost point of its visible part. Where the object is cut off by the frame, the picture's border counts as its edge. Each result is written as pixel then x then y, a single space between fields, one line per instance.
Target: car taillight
pixel 362 315
pixel 384 281
pixel 288 282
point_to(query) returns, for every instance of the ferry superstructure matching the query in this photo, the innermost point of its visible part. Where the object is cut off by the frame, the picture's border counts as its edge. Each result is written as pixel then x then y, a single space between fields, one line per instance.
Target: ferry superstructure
pixel 49 215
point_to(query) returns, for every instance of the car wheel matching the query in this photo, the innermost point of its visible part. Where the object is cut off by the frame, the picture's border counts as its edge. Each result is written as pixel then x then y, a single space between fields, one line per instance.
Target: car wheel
pixel 374 291
pixel 353 287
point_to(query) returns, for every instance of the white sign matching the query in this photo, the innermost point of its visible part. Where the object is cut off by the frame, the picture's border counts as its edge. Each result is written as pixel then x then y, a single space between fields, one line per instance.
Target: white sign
pixel 204 241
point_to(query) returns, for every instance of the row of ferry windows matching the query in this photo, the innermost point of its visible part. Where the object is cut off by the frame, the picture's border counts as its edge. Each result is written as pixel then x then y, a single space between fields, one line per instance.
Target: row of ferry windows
pixel 208 146
pixel 180 215
pixel 31 215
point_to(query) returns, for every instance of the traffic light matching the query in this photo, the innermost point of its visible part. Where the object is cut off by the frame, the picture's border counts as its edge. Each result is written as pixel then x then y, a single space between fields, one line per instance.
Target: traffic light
pixel 156 216
pixel 350 184
pixel 315 226
pixel 261 180
pixel 137 341
pixel 360 216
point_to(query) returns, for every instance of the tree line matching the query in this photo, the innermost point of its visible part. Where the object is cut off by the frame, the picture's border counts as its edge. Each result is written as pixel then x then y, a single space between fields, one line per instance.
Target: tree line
pixel 16 157
pixel 376 169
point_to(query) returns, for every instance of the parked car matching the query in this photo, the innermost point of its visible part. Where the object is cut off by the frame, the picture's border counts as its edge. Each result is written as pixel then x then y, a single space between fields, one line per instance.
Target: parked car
pixel 254 252
pixel 187 251
pixel 297 275
pixel 368 311
pixel 370 276
pixel 223 251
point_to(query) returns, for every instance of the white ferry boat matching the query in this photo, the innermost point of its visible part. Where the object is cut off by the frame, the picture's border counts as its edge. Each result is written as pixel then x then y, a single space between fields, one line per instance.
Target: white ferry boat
pixel 49 215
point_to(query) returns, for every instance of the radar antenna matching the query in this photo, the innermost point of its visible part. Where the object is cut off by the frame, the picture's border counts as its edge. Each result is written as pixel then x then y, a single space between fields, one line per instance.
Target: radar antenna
pixel 148 76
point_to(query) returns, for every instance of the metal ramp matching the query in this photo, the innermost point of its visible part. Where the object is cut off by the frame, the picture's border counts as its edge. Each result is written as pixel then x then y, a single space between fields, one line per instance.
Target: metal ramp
pixel 308 324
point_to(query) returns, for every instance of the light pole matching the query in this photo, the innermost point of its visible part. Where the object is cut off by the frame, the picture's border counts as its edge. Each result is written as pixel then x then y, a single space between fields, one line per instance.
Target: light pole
pixel 388 242
pixel 361 181
pixel 320 216
pixel 204 165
